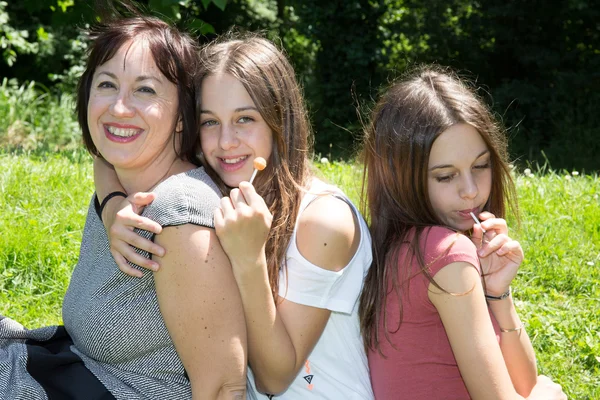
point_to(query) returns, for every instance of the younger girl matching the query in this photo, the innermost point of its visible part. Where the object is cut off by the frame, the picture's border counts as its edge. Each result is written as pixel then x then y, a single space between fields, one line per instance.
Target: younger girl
pixel 298 247
pixel 436 312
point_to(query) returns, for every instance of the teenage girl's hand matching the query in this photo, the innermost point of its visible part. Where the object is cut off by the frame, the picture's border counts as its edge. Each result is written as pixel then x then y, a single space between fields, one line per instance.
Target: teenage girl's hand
pixel 242 224
pixel 545 389
pixel 120 218
pixel 499 255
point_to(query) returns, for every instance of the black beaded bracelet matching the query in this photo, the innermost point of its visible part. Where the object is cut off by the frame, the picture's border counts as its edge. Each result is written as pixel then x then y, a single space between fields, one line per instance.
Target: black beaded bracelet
pixel 107 198
pixel 496 298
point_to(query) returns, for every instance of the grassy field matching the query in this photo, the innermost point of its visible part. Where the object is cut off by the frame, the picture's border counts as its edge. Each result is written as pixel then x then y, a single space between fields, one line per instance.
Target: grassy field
pixel 42 210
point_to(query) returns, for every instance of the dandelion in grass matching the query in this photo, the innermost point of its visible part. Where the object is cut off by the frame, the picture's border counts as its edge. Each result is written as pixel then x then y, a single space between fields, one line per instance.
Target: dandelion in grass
pixel 575 173
pixel 324 160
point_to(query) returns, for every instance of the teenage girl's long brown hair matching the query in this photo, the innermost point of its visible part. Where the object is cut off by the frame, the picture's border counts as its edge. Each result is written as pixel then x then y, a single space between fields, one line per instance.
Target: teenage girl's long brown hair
pixel 404 124
pixel 271 82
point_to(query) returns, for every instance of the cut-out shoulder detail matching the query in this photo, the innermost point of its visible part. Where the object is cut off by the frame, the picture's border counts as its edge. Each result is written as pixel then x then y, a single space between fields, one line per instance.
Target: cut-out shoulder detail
pixel 328 234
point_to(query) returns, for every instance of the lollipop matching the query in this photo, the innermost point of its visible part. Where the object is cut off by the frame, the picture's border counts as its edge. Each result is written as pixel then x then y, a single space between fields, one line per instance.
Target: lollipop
pixel 259 164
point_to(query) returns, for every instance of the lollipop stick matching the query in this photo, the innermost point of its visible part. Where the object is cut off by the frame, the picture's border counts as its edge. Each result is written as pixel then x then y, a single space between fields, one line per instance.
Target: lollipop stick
pixel 477 221
pixel 253 175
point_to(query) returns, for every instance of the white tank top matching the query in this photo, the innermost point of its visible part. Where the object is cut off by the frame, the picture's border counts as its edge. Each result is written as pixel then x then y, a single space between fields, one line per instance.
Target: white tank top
pixel 337 368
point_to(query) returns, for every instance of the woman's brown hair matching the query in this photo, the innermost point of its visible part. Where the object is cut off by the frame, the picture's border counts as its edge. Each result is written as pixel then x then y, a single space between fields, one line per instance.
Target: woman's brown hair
pixel 270 80
pixel 404 124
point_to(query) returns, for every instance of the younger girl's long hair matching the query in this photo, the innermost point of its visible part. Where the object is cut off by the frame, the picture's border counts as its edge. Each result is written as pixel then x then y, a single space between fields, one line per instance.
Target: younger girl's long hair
pixel 404 124
pixel 271 82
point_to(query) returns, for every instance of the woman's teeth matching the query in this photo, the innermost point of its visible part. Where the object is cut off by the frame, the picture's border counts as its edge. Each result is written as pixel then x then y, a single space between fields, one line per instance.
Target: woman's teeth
pixel 122 132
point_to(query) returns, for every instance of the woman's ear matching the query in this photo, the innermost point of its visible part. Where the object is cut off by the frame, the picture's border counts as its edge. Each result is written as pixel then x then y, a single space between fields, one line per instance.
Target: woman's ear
pixel 179 125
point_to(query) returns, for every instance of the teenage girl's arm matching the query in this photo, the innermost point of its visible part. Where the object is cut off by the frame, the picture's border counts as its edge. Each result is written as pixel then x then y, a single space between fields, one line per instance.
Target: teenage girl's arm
pixel 281 335
pixel 202 309
pixel 486 373
pixel 120 217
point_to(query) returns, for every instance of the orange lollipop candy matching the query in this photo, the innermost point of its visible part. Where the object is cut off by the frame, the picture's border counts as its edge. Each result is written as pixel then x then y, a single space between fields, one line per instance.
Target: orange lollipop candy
pixel 259 164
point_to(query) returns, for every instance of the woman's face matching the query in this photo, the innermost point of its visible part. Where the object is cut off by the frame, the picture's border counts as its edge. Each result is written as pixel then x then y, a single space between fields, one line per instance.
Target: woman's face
pixel 459 176
pixel 232 131
pixel 132 109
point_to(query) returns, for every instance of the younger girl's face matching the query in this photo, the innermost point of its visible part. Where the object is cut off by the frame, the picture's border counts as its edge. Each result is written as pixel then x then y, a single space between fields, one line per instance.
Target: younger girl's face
pixel 232 131
pixel 459 176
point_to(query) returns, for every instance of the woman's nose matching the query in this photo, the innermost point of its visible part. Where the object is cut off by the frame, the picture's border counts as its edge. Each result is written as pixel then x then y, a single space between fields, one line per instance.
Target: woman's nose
pixel 121 107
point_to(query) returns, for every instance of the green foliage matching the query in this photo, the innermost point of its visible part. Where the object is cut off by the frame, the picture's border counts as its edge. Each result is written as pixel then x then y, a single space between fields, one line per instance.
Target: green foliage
pixel 13 41
pixel 345 68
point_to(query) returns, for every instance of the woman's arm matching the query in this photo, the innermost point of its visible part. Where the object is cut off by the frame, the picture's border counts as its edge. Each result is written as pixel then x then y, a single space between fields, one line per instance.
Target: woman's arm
pixel 120 217
pixel 202 309
pixel 281 336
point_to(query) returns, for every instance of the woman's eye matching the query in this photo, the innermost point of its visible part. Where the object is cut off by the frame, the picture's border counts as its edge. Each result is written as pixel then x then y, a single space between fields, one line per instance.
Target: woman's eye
pixel 483 166
pixel 146 89
pixel 106 85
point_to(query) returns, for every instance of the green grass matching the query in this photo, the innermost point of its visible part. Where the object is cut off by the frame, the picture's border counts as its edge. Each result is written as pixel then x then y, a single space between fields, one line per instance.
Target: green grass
pixel 42 211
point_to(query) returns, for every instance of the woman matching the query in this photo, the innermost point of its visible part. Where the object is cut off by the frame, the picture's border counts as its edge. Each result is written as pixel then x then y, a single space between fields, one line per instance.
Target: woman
pixel 299 248
pixel 136 109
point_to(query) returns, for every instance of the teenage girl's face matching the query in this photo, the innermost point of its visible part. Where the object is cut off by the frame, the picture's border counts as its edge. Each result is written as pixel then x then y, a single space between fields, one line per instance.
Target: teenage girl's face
pixel 232 131
pixel 459 177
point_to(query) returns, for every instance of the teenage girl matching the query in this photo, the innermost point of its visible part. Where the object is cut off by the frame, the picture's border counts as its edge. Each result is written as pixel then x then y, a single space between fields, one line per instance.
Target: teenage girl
pixel 437 313
pixel 298 247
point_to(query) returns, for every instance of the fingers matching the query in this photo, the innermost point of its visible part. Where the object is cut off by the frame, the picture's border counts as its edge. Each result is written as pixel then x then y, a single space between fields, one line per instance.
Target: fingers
pixel 142 199
pixel 477 236
pixel 125 267
pixel 492 224
pixel 237 198
pixel 513 247
pixel 127 218
pixel 489 247
pixel 253 199
pixel 219 221
pixel 120 233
